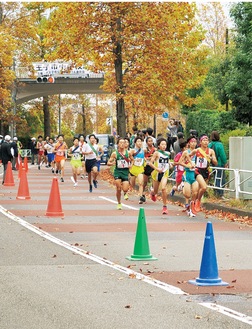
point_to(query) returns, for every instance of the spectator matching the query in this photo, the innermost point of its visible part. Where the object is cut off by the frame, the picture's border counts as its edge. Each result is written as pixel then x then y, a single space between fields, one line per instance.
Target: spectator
pixel 14 147
pixel 176 146
pixel 5 153
pixel 173 129
pixel 221 157
pixel 34 150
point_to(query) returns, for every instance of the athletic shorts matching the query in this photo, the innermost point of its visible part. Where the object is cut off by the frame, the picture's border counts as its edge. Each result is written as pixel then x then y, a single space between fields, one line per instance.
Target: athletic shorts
pixel 90 164
pixel 203 172
pixel 135 170
pixel 157 176
pixel 190 177
pixel 148 170
pixel 50 157
pixel 76 163
pixel 58 158
pixel 40 152
pixel 179 176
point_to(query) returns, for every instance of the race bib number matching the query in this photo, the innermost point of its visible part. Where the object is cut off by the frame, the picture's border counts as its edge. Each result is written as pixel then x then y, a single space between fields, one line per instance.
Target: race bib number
pixel 201 163
pixel 164 166
pixel 60 153
pixel 138 162
pixel 122 164
pixel 76 156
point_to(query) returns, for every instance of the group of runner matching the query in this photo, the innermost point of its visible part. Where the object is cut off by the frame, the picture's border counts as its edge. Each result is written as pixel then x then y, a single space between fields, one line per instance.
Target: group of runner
pixel 149 161
pixel 85 157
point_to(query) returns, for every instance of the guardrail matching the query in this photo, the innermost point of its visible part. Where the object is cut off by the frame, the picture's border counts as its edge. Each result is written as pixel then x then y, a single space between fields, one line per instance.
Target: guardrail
pixel 236 181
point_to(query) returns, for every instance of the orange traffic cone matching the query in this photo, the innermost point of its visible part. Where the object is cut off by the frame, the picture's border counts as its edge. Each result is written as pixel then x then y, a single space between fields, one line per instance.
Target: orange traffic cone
pixel 18 160
pixel 9 179
pixel 26 164
pixel 23 189
pixel 21 166
pixel 54 208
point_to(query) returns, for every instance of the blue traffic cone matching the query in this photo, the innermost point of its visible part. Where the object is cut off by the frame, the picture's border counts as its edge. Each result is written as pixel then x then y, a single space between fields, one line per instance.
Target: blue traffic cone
pixel 141 248
pixel 208 275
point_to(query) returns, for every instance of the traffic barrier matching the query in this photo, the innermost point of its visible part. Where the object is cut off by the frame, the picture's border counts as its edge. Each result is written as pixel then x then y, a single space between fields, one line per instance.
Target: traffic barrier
pixel 208 275
pixel 54 208
pixel 23 189
pixel 141 248
pixel 26 164
pixel 9 179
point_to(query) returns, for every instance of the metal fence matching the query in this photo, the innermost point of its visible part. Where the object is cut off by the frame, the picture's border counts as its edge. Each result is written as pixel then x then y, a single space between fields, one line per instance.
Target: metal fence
pixel 237 182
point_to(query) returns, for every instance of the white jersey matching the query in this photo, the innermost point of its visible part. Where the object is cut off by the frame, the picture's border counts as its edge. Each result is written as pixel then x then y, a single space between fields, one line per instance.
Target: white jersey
pixel 87 148
pixel 49 148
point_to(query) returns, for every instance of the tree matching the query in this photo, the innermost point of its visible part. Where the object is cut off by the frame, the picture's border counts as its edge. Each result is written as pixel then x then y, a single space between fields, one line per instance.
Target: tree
pixel 239 85
pixel 148 51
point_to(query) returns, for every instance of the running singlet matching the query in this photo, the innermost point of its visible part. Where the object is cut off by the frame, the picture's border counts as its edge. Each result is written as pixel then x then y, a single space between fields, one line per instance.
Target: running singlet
pixel 60 149
pixel 76 152
pixel 201 162
pixel 163 161
pixel 121 162
pixel 138 158
pixel 87 148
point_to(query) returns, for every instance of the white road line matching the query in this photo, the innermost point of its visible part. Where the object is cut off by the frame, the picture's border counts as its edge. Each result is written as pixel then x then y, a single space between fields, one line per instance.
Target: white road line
pixel 159 284
pixel 123 204
pixel 229 312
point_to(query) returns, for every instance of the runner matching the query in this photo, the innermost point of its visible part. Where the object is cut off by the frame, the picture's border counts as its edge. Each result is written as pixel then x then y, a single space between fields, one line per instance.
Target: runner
pixel 121 158
pixel 204 157
pixel 179 169
pixel 191 186
pixel 60 156
pixel 90 151
pixel 49 147
pixel 160 163
pixel 40 147
pixel 148 152
pixel 137 168
pixel 82 142
pixel 75 152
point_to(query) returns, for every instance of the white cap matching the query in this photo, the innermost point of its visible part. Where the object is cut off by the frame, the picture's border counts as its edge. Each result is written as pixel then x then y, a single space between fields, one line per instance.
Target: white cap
pixel 15 138
pixel 1 136
pixel 33 138
pixel 7 137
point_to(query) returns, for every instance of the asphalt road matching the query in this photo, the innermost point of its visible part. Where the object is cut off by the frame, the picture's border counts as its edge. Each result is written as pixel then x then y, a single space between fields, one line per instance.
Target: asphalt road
pixel 72 271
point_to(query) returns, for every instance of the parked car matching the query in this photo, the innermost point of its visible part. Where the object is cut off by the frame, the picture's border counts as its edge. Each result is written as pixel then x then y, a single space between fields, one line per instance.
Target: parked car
pixel 108 144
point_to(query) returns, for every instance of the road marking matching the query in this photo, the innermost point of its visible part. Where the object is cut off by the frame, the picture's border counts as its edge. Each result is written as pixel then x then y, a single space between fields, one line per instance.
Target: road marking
pixel 159 284
pixel 123 204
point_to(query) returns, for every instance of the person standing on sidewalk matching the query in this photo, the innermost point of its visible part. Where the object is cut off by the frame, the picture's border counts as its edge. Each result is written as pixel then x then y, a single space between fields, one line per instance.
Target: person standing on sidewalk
pixel 160 163
pixel 90 151
pixel 221 157
pixel 122 160
pixel 5 154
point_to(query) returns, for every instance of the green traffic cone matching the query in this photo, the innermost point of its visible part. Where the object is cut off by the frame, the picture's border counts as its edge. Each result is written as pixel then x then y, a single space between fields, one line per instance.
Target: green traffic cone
pixel 141 249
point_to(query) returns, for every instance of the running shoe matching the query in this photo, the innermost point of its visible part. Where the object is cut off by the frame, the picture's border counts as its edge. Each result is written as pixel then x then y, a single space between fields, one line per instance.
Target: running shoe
pixel 90 188
pixel 172 192
pixel 119 206
pixel 126 197
pixel 52 171
pixel 95 183
pixel 75 184
pixel 165 211
pixel 73 180
pixel 192 207
pixel 82 176
pixel 38 167
pixel 197 205
pixel 62 179
pixel 190 213
pixel 56 171
pixel 153 197
pixel 142 199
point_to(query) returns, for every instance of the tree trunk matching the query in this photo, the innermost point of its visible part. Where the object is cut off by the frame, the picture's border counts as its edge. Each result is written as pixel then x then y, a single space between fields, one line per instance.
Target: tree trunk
pixel 83 120
pixel 47 124
pixel 120 90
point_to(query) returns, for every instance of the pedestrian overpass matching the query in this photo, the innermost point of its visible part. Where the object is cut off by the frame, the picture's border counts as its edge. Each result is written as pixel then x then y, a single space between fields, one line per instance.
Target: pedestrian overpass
pixel 28 88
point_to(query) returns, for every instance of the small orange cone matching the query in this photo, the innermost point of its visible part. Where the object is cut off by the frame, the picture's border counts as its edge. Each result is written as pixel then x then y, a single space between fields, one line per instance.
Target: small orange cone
pixel 23 189
pixel 54 208
pixel 26 164
pixel 9 179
